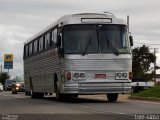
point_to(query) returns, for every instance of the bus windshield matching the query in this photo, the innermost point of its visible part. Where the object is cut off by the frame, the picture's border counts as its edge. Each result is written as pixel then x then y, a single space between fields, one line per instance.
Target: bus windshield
pixel 84 39
pixel 78 38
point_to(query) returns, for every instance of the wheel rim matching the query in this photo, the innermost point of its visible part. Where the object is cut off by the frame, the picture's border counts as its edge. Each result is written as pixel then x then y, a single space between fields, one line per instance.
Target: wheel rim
pixel 31 92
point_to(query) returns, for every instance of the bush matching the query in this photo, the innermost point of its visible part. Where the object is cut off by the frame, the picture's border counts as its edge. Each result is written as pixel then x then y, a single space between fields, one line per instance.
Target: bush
pixel 3 77
pixel 158 83
pixel 152 92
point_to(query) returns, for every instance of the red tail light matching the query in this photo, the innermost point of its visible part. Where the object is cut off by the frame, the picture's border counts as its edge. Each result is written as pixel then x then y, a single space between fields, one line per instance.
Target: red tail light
pixel 68 75
pixel 130 75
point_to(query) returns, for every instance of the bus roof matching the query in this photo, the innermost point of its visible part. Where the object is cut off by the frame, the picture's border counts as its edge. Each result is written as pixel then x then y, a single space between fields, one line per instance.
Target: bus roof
pixel 89 18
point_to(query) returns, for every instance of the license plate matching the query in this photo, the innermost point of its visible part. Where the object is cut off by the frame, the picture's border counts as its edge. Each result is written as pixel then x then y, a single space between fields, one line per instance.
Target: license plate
pixel 100 75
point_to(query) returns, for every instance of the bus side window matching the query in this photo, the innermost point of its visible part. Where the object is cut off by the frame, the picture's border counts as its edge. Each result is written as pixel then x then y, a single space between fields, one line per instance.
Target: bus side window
pixel 35 46
pixel 26 51
pixel 54 37
pixel 47 40
pixel 41 43
pixel 30 48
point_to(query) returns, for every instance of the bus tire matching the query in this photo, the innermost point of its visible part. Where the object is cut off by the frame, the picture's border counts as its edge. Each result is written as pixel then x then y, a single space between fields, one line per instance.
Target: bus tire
pixel 26 93
pixel 74 95
pixel 40 95
pixel 29 93
pixel 112 97
pixel 59 96
pixel 33 94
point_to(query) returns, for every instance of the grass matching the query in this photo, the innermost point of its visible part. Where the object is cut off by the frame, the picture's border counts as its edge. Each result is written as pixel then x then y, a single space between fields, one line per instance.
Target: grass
pixel 152 92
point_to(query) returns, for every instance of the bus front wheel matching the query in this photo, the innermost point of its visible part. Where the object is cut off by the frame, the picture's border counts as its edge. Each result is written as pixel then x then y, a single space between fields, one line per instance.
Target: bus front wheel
pixel 112 97
pixel 60 97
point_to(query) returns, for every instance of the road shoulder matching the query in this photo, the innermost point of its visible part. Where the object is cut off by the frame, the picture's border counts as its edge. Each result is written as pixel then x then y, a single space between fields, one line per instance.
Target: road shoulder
pixel 144 98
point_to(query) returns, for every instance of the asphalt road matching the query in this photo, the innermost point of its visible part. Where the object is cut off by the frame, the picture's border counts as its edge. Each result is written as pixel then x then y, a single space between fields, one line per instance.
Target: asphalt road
pixel 21 107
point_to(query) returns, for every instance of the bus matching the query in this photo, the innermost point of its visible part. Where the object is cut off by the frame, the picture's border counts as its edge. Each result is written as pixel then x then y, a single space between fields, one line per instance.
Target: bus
pixel 80 54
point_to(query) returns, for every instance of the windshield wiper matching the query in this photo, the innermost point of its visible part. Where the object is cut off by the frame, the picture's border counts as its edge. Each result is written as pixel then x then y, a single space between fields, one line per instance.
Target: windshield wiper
pixel 87 45
pixel 115 51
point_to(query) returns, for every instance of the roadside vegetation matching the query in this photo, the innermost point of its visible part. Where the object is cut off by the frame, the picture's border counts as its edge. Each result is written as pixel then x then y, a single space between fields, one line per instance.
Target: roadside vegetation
pixel 141 64
pixel 3 77
pixel 152 92
pixel 143 60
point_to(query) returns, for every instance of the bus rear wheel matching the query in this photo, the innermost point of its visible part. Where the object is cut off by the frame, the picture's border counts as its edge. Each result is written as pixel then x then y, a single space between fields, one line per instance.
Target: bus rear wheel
pixel 74 95
pixel 33 94
pixel 40 95
pixel 27 93
pixel 36 95
pixel 112 97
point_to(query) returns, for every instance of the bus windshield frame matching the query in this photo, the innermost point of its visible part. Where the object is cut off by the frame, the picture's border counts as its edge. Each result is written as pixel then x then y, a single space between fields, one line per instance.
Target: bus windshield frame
pixel 95 38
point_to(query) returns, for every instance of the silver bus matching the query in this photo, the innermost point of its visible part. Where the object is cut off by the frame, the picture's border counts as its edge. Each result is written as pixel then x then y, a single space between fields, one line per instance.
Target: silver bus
pixel 80 54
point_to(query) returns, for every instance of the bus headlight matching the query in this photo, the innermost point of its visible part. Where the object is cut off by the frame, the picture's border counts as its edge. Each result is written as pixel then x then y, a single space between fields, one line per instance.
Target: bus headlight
pixel 82 75
pixel 75 75
pixel 121 76
pixel 78 76
pixel 130 75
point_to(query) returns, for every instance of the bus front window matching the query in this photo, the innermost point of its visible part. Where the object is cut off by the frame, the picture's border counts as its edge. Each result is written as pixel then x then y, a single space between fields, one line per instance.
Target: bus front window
pixel 80 39
pixel 113 39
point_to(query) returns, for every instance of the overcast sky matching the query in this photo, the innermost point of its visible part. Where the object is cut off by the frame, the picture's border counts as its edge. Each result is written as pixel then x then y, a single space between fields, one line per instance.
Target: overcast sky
pixel 21 19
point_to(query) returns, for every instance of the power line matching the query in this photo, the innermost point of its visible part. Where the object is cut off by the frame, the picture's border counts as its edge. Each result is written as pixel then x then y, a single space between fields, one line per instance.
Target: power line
pixel 145 43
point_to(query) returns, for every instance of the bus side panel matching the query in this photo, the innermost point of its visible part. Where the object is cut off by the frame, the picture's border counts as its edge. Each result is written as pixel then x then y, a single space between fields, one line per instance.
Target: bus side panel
pixel 39 71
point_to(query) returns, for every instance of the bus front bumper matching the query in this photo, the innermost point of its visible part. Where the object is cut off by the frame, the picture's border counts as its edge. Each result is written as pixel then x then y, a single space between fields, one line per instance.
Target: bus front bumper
pixel 96 88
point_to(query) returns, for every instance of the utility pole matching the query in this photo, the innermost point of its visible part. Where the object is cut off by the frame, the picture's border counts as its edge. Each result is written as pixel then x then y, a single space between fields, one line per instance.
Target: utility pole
pixel 155 50
pixel 8 72
pixel 128 22
pixel 1 68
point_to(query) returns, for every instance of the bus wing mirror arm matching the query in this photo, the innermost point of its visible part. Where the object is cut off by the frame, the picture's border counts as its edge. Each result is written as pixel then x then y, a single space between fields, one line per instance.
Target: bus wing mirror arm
pixel 131 40
pixel 61 52
pixel 59 41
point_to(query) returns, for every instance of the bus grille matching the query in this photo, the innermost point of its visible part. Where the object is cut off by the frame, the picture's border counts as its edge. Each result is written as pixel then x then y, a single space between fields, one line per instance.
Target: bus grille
pixel 111 65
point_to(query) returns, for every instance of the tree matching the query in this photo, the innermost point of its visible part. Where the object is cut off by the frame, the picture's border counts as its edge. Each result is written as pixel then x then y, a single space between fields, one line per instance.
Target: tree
pixel 142 60
pixel 3 77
